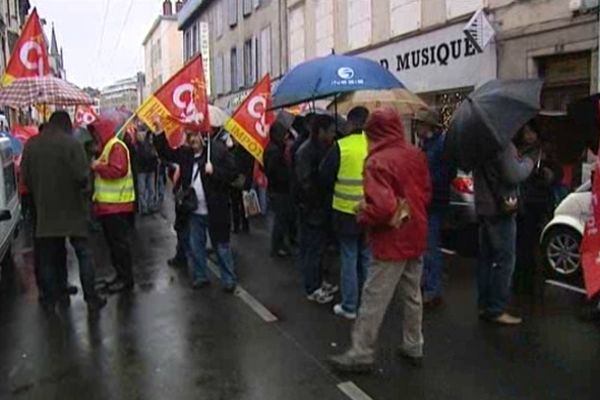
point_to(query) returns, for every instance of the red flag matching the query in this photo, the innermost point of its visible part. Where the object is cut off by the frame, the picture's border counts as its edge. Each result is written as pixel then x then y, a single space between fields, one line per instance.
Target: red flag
pixel 181 101
pixel 251 121
pixel 85 115
pixel 590 245
pixel 30 54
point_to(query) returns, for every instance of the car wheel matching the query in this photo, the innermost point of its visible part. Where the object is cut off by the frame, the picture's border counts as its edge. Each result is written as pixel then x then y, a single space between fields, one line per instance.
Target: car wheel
pixel 561 253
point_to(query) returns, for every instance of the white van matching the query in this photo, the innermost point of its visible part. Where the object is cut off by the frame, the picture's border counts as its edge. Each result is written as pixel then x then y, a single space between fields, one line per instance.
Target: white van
pixel 10 205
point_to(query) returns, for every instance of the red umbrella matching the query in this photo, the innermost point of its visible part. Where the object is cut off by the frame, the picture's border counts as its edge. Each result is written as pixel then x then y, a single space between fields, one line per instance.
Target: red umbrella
pixel 24 133
pixel 45 90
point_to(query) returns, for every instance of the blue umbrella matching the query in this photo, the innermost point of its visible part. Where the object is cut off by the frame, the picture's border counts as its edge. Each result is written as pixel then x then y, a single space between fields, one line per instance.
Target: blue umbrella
pixel 331 75
pixel 15 144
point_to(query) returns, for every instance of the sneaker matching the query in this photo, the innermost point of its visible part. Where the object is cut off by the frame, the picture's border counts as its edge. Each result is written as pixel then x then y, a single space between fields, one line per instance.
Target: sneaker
pixel 200 284
pixel 339 310
pixel 507 320
pixel 329 288
pixel 320 297
pixel 230 289
pixel 347 363
pixel 416 362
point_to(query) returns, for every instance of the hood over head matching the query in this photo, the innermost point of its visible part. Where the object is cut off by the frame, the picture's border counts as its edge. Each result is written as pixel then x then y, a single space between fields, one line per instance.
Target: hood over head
pixel 278 133
pixel 104 130
pixel 384 127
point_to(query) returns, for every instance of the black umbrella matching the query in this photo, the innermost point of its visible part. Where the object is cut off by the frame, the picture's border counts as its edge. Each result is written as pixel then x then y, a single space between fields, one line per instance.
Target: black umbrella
pixel 489 118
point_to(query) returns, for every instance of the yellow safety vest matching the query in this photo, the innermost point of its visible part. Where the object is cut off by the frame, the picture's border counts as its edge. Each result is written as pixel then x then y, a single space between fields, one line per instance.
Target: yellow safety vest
pixel 114 191
pixel 348 191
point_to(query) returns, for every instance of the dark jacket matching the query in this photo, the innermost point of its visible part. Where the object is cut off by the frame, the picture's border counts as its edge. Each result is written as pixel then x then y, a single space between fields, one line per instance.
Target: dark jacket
pixel 394 170
pixel 56 173
pixel 277 168
pixel 342 223
pixel 216 186
pixel 500 176
pixel 313 199
pixel 244 163
pixel 440 170
pixel 146 158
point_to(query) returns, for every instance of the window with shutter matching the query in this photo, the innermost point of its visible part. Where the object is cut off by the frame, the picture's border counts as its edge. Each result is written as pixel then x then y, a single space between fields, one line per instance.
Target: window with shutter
pixel 296 35
pixel 265 51
pixel 226 73
pixel 219 74
pixel 255 67
pixel 195 35
pixel 324 27
pixel 232 12
pixel 248 62
pixel 247 7
pixel 240 69
pixel 405 16
pixel 359 23
pixel 233 68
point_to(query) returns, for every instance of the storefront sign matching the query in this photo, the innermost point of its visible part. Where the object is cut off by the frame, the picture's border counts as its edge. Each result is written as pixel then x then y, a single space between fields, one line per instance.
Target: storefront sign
pixel 438 60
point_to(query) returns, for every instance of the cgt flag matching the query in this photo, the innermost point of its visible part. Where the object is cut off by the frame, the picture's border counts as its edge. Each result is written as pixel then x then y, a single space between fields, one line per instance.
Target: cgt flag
pixel 590 245
pixel 180 102
pixel 85 115
pixel 30 54
pixel 251 121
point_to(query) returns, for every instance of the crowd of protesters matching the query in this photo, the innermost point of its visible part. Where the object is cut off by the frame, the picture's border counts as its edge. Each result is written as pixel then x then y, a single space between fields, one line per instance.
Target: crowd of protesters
pixel 355 185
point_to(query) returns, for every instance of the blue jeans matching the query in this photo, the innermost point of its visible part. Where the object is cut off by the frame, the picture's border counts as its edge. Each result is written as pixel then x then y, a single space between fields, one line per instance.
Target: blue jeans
pixel 497 255
pixel 198 229
pixel 433 260
pixel 355 258
pixel 313 241
pixel 146 189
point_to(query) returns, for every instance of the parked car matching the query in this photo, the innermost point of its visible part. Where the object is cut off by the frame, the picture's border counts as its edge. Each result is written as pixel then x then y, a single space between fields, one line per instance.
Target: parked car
pixel 460 224
pixel 562 236
pixel 10 206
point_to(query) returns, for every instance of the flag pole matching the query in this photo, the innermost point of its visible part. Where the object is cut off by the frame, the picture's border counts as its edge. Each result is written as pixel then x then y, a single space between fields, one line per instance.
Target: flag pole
pixel 120 131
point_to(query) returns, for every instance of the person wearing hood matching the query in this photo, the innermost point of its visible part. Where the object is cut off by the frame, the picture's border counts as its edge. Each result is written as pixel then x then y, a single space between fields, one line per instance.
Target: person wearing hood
pixel 210 180
pixel 55 172
pixel 314 202
pixel 114 201
pixel 278 172
pixel 431 141
pixel 341 172
pixel 397 190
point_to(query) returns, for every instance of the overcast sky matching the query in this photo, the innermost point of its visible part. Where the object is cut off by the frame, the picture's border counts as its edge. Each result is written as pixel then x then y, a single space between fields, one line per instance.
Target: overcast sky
pixel 91 57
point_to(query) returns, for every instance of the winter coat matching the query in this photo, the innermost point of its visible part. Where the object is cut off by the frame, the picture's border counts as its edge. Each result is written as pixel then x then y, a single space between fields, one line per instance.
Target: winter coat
pixel 117 167
pixel 499 177
pixel 394 171
pixel 216 186
pixel 440 170
pixel 314 199
pixel 277 169
pixel 244 163
pixel 55 172
pixel 146 158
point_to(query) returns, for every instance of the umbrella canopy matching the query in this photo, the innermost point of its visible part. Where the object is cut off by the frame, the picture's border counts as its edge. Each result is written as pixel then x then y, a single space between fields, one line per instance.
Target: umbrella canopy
pixel 216 116
pixel 402 100
pixel 331 75
pixel 15 144
pixel 489 118
pixel 25 92
pixel 24 133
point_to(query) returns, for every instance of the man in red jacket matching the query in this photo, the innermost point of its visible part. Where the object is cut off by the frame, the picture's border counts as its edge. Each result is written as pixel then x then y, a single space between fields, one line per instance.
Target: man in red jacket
pixel 397 190
pixel 114 201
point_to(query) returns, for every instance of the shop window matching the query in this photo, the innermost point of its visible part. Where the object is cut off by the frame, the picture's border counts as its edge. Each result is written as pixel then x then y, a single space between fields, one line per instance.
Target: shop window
pixel 324 27
pixel 359 23
pixel 567 77
pixel 405 16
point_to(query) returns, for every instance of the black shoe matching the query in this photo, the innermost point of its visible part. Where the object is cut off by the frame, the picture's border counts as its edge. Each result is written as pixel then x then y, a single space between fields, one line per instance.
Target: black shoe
pixel 416 362
pixel 64 301
pixel 200 284
pixel 72 290
pixel 120 287
pixel 177 263
pixel 97 304
pixel 230 289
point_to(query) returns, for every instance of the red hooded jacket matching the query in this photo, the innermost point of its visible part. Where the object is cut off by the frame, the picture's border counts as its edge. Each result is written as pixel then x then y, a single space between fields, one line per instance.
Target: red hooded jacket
pixel 116 168
pixel 394 170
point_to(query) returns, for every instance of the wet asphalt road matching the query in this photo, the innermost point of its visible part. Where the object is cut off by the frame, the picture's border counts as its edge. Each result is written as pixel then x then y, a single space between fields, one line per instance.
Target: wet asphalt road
pixel 166 341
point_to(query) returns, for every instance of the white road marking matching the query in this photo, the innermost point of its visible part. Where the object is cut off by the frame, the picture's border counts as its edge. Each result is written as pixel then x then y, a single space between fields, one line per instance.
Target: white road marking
pixel 352 391
pixel 565 286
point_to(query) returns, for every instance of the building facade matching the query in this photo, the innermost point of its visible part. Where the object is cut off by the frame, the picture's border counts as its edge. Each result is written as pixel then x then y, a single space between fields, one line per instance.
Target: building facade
pixel 125 93
pixel 246 40
pixel 12 15
pixel 163 50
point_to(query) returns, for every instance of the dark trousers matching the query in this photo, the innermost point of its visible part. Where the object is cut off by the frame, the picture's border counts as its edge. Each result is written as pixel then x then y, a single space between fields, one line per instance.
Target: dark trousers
pixel 240 222
pixel 529 228
pixel 50 267
pixel 281 204
pixel 117 231
pixel 313 241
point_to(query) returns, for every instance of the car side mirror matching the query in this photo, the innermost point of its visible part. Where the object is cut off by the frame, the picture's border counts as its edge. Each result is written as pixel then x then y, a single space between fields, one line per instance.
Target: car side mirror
pixel 5 215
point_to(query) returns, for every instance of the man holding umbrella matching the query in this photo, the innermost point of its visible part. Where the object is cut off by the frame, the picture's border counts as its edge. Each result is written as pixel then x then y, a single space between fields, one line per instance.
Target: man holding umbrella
pixel 480 139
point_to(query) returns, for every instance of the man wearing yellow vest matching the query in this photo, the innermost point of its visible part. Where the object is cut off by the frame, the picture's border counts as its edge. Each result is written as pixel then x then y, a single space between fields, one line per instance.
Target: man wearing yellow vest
pixel 342 170
pixel 114 201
